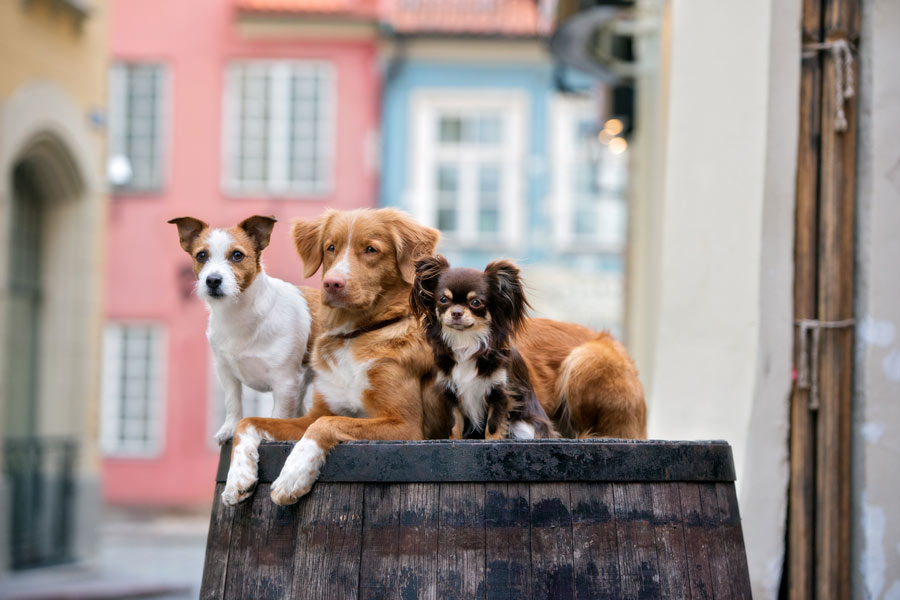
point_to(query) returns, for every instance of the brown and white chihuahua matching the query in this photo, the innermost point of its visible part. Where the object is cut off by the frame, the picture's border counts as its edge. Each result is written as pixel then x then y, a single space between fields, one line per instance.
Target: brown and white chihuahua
pixel 469 318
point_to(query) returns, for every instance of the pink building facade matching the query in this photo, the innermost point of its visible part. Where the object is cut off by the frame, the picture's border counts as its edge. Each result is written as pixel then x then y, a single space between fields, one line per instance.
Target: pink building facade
pixel 216 112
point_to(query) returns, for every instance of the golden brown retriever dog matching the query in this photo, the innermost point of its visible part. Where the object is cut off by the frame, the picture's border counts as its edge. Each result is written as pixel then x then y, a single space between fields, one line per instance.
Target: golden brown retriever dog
pixel 371 360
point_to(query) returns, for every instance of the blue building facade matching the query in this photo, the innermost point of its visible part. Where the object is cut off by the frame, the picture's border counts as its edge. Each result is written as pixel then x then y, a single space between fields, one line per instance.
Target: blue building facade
pixel 489 151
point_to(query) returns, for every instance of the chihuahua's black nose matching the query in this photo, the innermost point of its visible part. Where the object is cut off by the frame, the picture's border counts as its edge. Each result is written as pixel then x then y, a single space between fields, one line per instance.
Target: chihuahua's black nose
pixel 213 281
pixel 456 313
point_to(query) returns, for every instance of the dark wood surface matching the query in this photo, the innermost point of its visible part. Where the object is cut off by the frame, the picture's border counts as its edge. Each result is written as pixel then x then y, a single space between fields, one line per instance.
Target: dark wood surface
pixel 508 461
pixel 504 539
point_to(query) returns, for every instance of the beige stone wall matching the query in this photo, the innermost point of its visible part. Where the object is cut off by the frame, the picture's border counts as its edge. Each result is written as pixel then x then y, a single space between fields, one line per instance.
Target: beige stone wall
pixel 876 468
pixel 53 66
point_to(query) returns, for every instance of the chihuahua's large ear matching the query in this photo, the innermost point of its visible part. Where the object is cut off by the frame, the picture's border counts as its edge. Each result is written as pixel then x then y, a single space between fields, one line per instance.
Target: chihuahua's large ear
pixel 428 270
pixel 259 229
pixel 188 230
pixel 412 241
pixel 508 304
pixel 307 236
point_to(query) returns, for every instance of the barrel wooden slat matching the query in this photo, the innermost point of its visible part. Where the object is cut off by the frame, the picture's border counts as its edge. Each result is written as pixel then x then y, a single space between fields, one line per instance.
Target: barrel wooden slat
pixel 695 542
pixel 551 541
pixel 636 539
pixel 733 537
pixel 623 530
pixel 718 561
pixel 328 542
pixel 461 544
pixel 378 570
pixel 507 538
pixel 275 539
pixel 596 553
pixel 418 541
pixel 674 579
pixel 218 545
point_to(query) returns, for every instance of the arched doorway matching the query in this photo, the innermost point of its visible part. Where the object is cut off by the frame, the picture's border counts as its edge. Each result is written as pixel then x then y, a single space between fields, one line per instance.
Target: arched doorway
pixel 39 461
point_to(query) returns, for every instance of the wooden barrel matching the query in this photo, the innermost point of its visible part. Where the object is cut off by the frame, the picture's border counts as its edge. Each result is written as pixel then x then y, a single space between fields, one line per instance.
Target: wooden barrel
pixel 474 519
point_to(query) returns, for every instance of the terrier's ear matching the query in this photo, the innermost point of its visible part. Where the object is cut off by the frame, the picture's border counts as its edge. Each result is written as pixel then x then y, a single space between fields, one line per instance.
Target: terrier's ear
pixel 428 270
pixel 508 305
pixel 259 229
pixel 188 230
pixel 308 239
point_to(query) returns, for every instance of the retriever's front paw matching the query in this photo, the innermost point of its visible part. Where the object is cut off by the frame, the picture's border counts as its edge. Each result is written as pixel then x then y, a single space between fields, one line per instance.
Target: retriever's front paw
pixel 300 471
pixel 242 474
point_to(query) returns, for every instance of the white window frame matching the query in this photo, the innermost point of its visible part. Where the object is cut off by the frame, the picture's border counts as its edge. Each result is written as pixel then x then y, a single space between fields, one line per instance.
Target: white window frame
pixel 118 122
pixel 277 179
pixel 427 105
pixel 566 111
pixel 111 440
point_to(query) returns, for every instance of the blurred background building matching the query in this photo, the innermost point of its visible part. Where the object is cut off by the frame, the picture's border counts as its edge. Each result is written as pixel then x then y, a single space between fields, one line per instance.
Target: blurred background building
pixel 53 215
pixel 639 159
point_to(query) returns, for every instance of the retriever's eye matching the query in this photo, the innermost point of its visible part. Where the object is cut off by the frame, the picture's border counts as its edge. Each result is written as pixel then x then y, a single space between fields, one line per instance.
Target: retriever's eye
pixel 444 300
pixel 202 256
pixel 237 256
pixel 370 250
pixel 330 248
pixel 475 302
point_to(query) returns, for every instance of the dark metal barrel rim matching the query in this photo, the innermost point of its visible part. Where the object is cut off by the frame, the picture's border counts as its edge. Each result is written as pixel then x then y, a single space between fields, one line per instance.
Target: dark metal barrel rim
pixel 436 461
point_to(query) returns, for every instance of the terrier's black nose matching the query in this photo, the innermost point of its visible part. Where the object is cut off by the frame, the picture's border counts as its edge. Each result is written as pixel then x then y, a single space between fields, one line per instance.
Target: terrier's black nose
pixel 213 281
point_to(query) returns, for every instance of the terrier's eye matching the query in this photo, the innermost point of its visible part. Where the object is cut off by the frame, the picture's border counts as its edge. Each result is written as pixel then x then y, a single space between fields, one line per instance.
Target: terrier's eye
pixel 202 256
pixel 475 302
pixel 330 248
pixel 444 300
pixel 237 256
pixel 370 250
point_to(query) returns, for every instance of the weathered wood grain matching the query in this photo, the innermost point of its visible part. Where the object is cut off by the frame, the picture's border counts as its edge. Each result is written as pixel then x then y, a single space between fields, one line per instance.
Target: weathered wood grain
pixel 507 534
pixel 461 544
pixel 552 564
pixel 638 568
pixel 674 579
pixel 379 568
pixel 733 540
pixel 595 547
pixel 418 541
pixel 695 541
pixel 328 542
pixel 218 545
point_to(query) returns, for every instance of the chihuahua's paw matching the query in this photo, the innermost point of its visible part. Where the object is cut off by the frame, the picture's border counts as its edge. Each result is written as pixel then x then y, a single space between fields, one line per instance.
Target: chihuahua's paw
pixel 225 433
pixel 300 471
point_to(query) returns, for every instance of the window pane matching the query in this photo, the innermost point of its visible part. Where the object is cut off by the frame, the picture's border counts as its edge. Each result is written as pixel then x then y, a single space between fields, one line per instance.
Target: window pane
pixel 450 130
pixel 447 182
pixel 490 129
pixel 489 198
pixel 135 116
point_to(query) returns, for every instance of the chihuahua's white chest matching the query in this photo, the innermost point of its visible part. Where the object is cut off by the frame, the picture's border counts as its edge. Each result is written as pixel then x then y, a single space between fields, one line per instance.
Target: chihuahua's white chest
pixel 471 388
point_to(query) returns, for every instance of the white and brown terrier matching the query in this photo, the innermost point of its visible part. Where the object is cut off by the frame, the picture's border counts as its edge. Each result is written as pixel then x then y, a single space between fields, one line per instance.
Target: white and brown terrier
pixel 469 317
pixel 261 328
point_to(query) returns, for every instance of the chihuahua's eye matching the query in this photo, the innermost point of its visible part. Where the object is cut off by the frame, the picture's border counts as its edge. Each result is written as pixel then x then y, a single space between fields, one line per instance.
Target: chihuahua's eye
pixel 237 256
pixel 443 300
pixel 202 256
pixel 370 250
pixel 330 248
pixel 475 302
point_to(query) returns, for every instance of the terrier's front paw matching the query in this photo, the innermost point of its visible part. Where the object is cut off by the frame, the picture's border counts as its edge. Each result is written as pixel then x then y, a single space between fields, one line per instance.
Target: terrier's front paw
pixel 225 433
pixel 300 471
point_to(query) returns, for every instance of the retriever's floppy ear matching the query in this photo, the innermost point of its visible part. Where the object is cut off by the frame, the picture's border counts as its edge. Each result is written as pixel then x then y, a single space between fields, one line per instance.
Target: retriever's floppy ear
pixel 188 230
pixel 307 236
pixel 259 228
pixel 508 305
pixel 412 241
pixel 428 270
